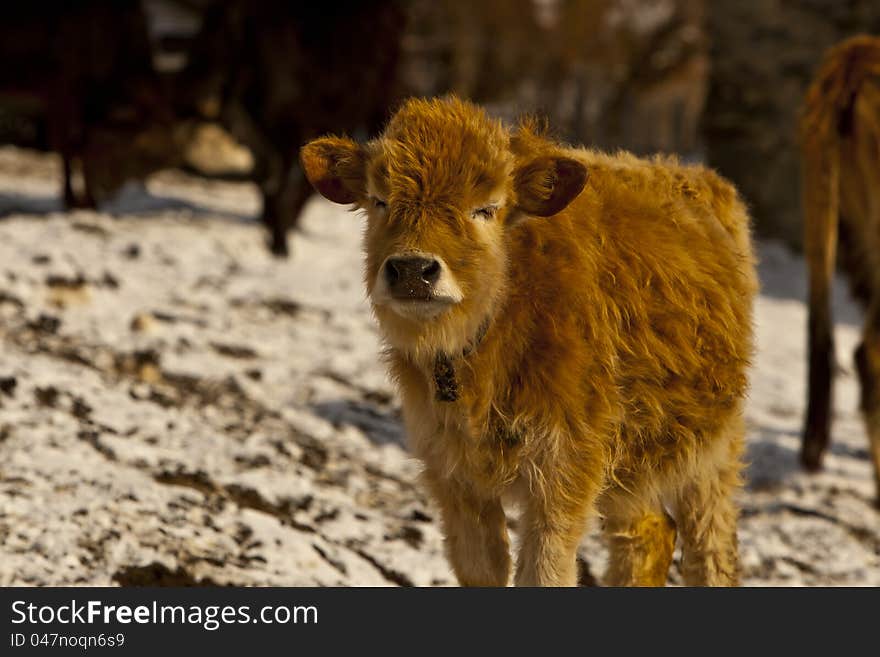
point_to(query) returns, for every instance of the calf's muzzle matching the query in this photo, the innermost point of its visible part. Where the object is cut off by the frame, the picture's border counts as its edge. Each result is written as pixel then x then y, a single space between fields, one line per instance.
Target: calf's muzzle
pixel 412 277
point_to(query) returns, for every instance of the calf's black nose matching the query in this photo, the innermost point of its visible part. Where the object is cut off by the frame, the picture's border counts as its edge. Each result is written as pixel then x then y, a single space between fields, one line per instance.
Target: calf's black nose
pixel 411 276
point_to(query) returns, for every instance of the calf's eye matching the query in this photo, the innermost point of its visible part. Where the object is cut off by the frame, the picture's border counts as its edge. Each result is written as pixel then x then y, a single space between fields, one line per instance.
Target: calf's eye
pixel 378 203
pixel 487 212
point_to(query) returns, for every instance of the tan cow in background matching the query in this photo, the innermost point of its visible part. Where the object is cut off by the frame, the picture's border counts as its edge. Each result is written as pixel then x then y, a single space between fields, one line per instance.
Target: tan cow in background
pixel 569 331
pixel 840 144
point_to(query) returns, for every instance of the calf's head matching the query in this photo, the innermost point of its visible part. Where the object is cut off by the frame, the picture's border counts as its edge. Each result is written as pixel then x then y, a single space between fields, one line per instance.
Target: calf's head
pixel 441 188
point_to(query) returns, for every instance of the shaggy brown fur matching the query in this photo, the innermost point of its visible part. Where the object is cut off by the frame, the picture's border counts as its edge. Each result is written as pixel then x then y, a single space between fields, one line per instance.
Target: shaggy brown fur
pixel 840 141
pixel 595 313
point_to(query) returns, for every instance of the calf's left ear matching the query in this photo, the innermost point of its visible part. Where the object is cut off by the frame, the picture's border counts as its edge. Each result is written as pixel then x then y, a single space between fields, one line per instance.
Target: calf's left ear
pixel 336 167
pixel 546 185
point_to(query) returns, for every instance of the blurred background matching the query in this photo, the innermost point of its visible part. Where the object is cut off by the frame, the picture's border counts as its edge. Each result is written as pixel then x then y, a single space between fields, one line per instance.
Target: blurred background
pixel 180 405
pixel 128 87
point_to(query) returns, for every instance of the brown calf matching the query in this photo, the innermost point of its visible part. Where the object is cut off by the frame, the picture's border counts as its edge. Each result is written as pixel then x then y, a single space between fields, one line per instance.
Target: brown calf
pixel 569 331
pixel 840 143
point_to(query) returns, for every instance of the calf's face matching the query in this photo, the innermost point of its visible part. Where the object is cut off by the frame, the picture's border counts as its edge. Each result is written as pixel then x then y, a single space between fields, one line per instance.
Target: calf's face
pixel 440 188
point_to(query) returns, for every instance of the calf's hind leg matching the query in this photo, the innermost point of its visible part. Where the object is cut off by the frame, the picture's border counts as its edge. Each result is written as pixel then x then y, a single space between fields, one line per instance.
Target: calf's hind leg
pixel 706 515
pixel 640 546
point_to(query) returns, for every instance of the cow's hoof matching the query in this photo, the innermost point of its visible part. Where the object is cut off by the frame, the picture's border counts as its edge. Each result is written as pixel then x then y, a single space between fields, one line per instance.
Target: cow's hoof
pixel 278 247
pixel 811 456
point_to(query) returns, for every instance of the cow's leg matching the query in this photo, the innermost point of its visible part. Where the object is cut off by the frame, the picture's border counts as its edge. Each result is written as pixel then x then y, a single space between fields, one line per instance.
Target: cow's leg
pixel 641 546
pixel 287 205
pixel 299 190
pixel 706 514
pixel 61 122
pixel 271 219
pixel 476 534
pixel 269 170
pixel 67 180
pixel 89 195
pixel 817 428
pixel 820 201
pixel 551 526
pixel 71 199
pixel 867 358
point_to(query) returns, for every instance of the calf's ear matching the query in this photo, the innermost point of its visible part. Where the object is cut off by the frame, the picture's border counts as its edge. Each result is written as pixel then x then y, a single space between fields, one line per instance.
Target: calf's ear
pixel 336 167
pixel 546 185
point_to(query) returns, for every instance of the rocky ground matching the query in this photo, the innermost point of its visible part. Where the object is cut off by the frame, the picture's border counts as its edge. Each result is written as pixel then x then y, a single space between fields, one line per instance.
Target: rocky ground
pixel 177 407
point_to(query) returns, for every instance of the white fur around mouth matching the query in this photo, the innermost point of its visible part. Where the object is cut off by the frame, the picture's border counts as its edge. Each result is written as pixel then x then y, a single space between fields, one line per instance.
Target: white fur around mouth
pixel 420 308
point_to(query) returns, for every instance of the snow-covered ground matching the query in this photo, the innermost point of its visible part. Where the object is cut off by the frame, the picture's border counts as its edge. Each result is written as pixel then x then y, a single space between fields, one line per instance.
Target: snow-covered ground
pixel 177 407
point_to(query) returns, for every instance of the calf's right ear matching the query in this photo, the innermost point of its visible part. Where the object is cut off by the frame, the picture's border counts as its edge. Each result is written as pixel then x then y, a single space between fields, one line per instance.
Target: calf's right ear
pixel 336 167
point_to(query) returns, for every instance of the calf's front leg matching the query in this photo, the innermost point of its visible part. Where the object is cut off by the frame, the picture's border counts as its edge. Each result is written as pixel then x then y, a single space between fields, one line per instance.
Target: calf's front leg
pixel 552 524
pixel 475 528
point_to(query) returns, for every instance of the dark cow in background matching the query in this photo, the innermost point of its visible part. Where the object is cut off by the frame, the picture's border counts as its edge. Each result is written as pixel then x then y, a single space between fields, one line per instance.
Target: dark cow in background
pixel 85 71
pixel 277 74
